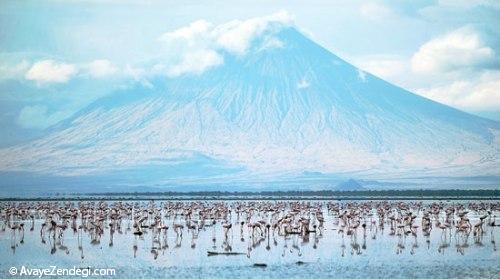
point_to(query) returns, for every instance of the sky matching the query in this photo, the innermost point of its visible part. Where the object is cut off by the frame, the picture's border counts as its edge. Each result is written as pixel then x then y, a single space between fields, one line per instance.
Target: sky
pixel 56 57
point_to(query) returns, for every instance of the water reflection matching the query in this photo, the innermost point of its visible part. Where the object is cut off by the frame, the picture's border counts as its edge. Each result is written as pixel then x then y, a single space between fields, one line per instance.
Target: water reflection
pixel 281 229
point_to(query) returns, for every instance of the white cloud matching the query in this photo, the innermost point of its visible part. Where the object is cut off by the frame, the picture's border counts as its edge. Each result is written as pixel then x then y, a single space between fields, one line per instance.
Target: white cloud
pixel 138 74
pixel 462 48
pixel 375 11
pixel 196 61
pixel 192 35
pixel 18 70
pixel 135 73
pixel 385 67
pixel 393 68
pixel 236 36
pixel 472 91
pixel 455 69
pixel 50 71
pixel 477 94
pixel 101 68
pixel 201 45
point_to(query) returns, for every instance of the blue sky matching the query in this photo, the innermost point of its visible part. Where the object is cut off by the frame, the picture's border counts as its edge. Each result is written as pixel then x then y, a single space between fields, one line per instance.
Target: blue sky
pixel 56 57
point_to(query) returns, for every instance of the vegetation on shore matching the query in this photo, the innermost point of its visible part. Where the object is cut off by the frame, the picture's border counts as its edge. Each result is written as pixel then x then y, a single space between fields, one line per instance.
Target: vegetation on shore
pixel 322 193
pixel 452 194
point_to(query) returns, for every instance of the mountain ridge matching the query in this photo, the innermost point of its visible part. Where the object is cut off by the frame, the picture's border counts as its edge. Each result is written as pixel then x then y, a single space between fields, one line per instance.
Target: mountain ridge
pixel 289 108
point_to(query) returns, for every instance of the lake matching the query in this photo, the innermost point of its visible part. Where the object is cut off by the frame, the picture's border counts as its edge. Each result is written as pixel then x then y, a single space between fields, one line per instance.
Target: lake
pixel 295 239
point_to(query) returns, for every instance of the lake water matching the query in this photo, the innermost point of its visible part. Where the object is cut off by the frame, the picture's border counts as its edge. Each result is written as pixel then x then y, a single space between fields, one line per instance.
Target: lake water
pixel 326 253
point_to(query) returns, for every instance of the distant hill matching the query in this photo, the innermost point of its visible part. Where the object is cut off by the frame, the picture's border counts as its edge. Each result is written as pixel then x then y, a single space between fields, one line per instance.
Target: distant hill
pixel 350 185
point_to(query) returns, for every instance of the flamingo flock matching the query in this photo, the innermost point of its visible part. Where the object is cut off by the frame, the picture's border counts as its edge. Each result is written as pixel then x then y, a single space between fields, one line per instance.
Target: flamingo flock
pixel 285 225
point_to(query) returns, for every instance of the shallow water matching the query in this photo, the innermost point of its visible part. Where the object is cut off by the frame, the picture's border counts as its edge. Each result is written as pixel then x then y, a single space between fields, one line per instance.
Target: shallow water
pixel 373 254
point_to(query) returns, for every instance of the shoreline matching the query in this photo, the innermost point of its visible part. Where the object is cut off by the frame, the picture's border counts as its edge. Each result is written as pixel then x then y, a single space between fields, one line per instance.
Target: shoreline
pixel 322 195
pixel 254 198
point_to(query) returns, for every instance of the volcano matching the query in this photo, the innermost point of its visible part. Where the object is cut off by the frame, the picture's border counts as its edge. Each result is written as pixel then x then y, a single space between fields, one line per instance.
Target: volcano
pixel 286 108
